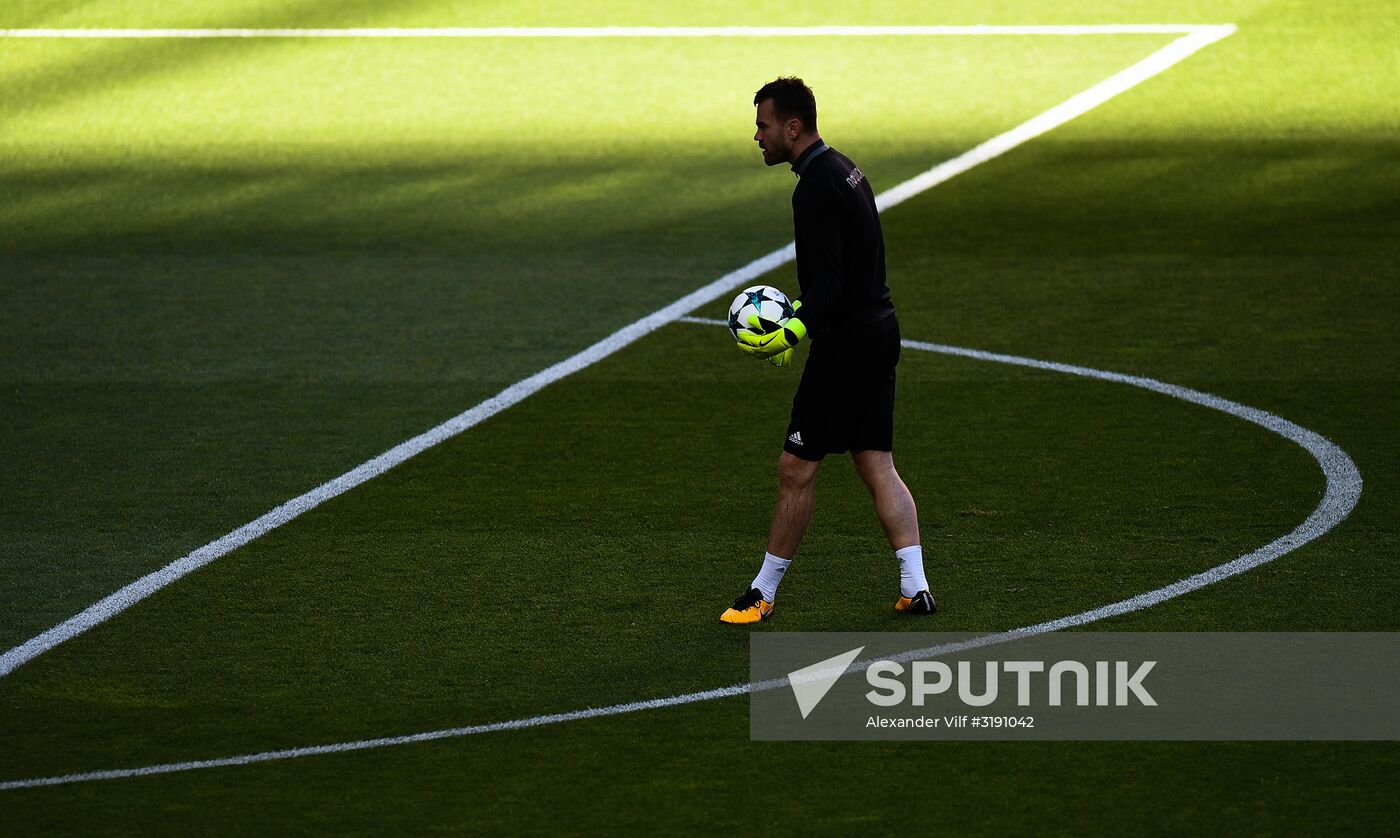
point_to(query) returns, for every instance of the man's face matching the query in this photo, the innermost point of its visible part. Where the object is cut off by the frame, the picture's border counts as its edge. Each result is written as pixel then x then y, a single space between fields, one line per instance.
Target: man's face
pixel 773 135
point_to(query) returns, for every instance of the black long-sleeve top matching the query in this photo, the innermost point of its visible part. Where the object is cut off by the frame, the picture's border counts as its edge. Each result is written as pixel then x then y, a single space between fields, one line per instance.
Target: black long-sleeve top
pixel 840 247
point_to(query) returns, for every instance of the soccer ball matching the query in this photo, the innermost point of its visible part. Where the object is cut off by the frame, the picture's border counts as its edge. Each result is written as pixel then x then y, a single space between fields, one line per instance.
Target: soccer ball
pixel 768 303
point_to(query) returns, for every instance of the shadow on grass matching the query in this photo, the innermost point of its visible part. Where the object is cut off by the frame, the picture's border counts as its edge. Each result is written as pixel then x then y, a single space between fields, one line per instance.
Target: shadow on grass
pixel 1070 198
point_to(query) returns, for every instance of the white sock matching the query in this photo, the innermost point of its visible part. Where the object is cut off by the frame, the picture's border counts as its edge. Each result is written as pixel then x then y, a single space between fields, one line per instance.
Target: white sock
pixel 911 570
pixel 772 573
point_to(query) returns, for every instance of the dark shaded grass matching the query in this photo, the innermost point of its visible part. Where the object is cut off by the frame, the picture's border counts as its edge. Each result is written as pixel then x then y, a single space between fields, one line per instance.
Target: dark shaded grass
pixel 578 554
pixel 604 776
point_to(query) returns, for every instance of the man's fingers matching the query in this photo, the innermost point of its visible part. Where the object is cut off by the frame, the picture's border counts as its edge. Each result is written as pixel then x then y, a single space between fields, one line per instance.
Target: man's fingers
pixel 751 339
pixel 757 351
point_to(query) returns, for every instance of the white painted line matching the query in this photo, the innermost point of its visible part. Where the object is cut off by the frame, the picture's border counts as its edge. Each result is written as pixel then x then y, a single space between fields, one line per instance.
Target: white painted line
pixel 115 603
pixel 366 744
pixel 1342 492
pixel 624 31
pixel 1077 105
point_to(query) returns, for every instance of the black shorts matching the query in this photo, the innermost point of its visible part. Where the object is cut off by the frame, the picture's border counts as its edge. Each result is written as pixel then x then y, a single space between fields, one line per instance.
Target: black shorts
pixel 845 401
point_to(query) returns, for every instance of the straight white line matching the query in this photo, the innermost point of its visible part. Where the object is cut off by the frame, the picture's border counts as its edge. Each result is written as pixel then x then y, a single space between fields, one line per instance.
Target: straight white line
pixel 1340 497
pixel 622 31
pixel 1081 103
pixel 117 602
pixel 113 604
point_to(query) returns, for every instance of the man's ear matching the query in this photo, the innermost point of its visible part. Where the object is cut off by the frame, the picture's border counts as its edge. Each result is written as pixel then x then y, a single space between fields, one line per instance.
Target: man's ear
pixel 794 129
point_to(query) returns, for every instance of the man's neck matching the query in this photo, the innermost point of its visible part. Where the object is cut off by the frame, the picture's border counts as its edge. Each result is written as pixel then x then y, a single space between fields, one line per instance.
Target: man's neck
pixel 801 145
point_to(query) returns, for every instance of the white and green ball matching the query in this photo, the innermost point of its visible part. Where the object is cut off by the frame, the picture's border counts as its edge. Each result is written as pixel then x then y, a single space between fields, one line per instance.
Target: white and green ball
pixel 770 305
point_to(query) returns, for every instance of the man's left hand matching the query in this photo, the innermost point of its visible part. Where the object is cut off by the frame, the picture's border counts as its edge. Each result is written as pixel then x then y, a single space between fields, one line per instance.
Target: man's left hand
pixel 774 343
pixel 782 359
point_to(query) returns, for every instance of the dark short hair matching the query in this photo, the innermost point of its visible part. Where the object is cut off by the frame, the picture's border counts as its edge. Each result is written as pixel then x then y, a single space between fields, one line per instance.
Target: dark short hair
pixel 792 98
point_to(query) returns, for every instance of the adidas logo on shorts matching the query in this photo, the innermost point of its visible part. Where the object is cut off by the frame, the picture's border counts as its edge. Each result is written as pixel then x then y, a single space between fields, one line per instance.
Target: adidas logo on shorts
pixel 796 438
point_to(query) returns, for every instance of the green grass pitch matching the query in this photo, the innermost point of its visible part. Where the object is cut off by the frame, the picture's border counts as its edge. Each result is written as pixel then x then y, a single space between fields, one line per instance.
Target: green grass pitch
pixel 233 270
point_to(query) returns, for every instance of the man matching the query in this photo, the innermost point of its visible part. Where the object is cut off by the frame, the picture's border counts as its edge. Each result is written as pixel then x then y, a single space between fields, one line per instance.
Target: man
pixel 845 401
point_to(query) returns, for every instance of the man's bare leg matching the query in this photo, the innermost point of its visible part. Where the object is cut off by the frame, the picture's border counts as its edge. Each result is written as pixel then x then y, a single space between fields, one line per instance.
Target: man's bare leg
pixel 797 491
pixel 797 482
pixel 893 503
pixel 900 518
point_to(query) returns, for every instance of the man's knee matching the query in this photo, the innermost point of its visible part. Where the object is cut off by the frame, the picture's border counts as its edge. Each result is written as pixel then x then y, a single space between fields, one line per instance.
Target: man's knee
pixel 795 472
pixel 873 466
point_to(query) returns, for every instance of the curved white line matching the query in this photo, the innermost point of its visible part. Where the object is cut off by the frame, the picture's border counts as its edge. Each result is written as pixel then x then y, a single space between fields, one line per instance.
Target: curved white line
pixel 1343 491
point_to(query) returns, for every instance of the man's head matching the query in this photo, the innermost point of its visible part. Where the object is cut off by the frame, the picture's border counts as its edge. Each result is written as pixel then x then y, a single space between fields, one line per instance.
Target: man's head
pixel 786 121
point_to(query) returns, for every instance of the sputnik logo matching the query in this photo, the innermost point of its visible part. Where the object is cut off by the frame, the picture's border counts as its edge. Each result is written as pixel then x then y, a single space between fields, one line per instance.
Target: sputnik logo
pixel 810 684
